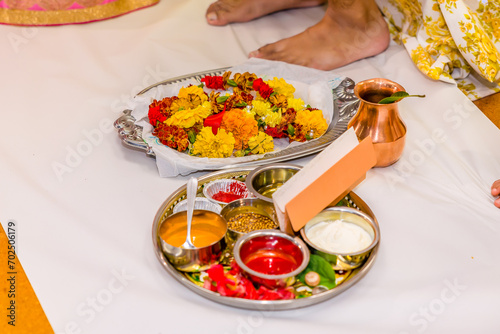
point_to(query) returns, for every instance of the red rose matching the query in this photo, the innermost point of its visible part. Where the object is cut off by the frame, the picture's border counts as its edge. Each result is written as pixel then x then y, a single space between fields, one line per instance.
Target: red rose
pixel 260 86
pixel 275 132
pixel 214 82
pixel 155 116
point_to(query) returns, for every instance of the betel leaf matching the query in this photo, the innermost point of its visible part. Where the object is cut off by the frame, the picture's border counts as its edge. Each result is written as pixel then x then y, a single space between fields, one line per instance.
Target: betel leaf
pixel 324 270
pixel 290 130
pixel 396 97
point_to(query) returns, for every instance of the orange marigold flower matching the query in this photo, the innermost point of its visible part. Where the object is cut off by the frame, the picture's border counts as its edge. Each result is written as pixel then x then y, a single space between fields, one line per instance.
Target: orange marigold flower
pixel 172 136
pixel 242 125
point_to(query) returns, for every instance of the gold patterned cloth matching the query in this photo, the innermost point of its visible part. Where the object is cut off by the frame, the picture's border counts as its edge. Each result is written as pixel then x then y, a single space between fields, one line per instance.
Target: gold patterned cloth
pixel 58 12
pixel 456 41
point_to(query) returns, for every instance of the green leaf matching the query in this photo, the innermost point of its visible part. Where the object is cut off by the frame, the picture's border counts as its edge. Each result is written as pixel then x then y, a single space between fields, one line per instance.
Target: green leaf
pixel 222 99
pixel 240 104
pixel 324 270
pixel 275 109
pixel 308 137
pixel 290 130
pixel 232 83
pixel 191 137
pixel 261 123
pixel 201 85
pixel 396 97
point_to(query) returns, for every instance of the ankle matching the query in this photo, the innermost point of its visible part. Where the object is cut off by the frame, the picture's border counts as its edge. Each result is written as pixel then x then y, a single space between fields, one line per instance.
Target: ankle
pixel 358 14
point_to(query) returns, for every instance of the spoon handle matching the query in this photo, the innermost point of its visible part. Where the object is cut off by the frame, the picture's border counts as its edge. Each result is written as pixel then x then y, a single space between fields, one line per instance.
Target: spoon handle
pixel 192 189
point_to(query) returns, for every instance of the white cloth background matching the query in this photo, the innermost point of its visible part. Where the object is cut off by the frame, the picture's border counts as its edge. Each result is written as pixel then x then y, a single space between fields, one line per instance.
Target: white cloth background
pixel 84 204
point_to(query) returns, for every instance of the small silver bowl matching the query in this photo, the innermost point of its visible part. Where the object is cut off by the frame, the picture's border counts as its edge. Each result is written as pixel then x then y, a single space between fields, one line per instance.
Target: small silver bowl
pixel 246 205
pixel 263 181
pixel 255 251
pixel 225 185
pixel 200 203
pixel 344 260
pixel 172 234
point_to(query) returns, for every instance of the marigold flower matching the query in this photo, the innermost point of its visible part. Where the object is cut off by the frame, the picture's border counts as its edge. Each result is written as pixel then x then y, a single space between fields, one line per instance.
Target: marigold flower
pixel 279 100
pixel 266 113
pixel 187 92
pixel 244 81
pixel 189 117
pixel 297 104
pixel 312 122
pixel 261 143
pixel 172 136
pixel 241 124
pixel 280 86
pixel 213 146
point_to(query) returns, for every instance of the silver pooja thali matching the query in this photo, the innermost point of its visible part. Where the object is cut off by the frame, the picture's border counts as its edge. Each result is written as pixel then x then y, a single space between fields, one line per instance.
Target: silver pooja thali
pixel 350 278
pixel 345 107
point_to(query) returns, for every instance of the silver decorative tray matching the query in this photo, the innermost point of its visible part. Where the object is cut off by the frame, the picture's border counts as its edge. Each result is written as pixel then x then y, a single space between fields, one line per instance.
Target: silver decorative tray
pixel 166 210
pixel 345 107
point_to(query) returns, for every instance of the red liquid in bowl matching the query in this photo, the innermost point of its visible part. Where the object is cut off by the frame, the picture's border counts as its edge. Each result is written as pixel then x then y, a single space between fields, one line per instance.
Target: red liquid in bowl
pixel 271 255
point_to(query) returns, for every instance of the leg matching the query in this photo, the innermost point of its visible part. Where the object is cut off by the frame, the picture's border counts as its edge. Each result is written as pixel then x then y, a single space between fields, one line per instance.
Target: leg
pixel 349 31
pixel 223 12
pixel 495 191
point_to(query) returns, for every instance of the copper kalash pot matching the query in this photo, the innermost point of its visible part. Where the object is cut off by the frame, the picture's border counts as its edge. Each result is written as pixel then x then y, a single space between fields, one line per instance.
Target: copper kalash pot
pixel 381 122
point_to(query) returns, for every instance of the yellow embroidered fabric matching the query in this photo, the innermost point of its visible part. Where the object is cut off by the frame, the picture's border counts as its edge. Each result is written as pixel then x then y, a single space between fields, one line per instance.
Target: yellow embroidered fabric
pixel 456 41
pixel 58 12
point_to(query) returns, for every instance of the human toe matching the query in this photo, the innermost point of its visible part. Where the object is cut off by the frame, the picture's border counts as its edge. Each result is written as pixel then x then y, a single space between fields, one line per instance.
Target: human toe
pixel 495 188
pixel 215 15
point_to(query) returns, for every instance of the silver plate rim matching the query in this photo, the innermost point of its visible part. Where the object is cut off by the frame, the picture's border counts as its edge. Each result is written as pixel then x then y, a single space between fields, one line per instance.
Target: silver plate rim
pixel 260 305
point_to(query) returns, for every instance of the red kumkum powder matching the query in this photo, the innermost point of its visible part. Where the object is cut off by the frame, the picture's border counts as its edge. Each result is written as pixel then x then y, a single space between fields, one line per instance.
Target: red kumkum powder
pixel 235 191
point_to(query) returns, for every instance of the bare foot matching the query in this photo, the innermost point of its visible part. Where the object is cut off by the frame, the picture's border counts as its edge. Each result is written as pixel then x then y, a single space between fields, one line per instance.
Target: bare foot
pixel 495 191
pixel 223 12
pixel 347 32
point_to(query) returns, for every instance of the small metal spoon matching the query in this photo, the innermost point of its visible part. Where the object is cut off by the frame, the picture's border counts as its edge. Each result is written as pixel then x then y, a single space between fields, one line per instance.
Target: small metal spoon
pixel 192 188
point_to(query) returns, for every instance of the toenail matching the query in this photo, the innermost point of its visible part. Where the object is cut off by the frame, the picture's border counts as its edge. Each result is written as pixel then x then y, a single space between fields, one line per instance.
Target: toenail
pixel 254 54
pixel 212 16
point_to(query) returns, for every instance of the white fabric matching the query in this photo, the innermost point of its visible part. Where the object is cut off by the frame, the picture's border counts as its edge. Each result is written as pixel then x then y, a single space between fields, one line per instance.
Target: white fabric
pixel 84 204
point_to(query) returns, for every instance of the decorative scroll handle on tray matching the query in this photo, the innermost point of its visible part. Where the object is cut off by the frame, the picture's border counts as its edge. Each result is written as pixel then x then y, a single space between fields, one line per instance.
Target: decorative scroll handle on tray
pixel 345 104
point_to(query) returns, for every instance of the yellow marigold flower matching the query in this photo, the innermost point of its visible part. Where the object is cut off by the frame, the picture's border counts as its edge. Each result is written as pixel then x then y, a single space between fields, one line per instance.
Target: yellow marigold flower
pixel 189 117
pixel 297 104
pixel 260 107
pixel 266 113
pixel 312 121
pixel 185 92
pixel 213 146
pixel 280 86
pixel 272 118
pixel 261 143
pixel 241 124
